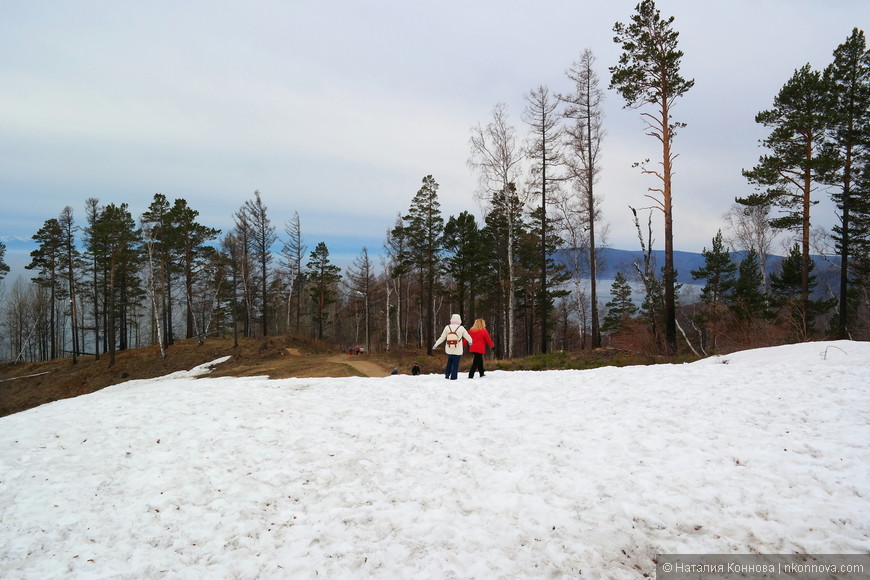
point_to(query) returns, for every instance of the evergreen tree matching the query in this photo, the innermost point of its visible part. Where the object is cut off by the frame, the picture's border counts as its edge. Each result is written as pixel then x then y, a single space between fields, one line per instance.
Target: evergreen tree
pixel 158 222
pixel 860 268
pixel 92 212
pixel 621 308
pixel 424 229
pixel 648 73
pixel 504 224
pixel 539 290
pixel 400 266
pixel 718 271
pixel 796 160
pixel 848 81
pixel 462 242
pixel 70 261
pixel 114 243
pixel 748 302
pixel 4 268
pixel 787 288
pixel 323 278
pixel 497 155
pixel 190 242
pixel 46 260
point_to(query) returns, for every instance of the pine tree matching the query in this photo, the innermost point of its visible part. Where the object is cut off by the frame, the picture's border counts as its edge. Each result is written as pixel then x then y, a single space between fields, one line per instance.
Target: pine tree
pixel 323 278
pixel 504 224
pixel 796 161
pixel 92 211
pixel 538 290
pixel 399 266
pixel 648 73
pixel 424 228
pixel 461 242
pixel 158 222
pixel 4 268
pixel 848 82
pixel 190 242
pixel 860 268
pixel 497 155
pixel 787 289
pixel 70 261
pixel 114 242
pixel 46 260
pixel 748 302
pixel 718 271
pixel 621 308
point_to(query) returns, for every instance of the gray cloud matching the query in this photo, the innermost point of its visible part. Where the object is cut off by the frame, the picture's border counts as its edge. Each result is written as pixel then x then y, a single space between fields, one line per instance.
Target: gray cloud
pixel 338 109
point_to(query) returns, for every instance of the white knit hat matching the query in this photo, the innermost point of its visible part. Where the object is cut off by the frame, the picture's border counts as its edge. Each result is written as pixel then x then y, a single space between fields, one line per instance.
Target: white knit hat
pixel 455 319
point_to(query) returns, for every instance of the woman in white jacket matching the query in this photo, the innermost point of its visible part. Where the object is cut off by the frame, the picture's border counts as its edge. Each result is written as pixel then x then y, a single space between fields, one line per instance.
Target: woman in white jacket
pixel 454 333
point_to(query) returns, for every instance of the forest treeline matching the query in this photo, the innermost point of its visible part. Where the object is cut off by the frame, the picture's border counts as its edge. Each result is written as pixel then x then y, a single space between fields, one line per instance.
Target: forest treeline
pixel 116 280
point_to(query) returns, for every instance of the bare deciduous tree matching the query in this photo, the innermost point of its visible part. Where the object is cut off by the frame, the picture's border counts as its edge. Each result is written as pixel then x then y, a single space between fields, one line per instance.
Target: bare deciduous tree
pixel 497 157
pixel 585 136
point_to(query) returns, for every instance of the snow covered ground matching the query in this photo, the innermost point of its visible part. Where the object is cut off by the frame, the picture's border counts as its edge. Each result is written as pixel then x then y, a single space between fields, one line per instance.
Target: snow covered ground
pixel 521 474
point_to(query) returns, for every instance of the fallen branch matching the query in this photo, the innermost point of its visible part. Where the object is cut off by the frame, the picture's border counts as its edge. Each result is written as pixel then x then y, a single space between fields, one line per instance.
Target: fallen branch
pixel 24 377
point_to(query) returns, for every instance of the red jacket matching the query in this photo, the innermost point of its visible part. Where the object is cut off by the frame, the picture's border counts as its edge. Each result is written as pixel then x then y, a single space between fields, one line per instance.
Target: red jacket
pixel 480 338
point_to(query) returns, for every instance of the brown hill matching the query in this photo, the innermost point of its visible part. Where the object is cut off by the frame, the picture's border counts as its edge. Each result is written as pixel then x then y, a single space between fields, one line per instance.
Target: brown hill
pixel 26 385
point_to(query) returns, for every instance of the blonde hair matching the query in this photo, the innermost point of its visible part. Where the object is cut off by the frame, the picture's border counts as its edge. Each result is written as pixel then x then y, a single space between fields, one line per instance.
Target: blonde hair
pixel 479 323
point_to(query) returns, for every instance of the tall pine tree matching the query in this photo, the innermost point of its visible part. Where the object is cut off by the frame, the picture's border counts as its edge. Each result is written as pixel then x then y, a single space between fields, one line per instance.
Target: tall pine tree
pixel 462 243
pixel 46 260
pixel 648 73
pixel 848 82
pixel 322 277
pixel 789 174
pixel 424 228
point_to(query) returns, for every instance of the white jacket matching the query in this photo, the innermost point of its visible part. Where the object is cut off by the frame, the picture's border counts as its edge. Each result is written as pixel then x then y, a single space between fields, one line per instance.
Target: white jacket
pixel 461 335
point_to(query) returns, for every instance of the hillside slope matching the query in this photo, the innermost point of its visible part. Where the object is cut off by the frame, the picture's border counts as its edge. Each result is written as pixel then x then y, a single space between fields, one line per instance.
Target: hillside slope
pixel 27 385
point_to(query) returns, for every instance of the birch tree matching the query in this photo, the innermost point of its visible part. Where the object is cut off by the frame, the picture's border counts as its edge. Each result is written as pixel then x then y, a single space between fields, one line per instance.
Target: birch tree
pixel 497 157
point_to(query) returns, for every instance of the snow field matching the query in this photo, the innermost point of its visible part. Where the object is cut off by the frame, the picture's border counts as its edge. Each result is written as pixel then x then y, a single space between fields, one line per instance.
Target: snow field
pixel 522 474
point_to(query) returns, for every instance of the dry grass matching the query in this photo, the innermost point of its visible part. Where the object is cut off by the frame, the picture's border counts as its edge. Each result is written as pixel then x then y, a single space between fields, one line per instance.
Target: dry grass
pixel 27 385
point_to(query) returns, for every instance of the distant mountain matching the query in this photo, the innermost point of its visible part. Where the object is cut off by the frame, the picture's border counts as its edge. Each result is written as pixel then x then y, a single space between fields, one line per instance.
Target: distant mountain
pixel 615 261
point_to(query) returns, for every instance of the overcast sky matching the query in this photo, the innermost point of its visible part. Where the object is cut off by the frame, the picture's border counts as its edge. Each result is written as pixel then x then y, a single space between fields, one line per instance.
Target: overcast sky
pixel 338 109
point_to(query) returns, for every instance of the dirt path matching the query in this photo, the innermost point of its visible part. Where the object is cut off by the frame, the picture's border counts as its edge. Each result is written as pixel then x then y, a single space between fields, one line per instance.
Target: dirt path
pixel 358 363
pixel 364 367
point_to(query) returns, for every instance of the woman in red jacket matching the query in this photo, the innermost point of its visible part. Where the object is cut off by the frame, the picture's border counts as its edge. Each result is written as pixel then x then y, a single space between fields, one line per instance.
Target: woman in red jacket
pixel 479 339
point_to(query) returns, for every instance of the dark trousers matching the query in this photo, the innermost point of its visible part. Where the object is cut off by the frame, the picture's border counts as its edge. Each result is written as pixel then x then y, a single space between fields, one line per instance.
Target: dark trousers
pixel 476 364
pixel 452 366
